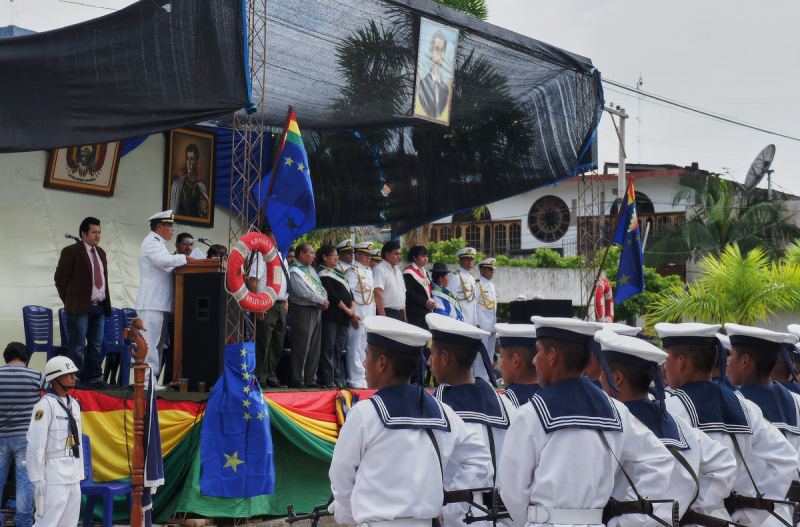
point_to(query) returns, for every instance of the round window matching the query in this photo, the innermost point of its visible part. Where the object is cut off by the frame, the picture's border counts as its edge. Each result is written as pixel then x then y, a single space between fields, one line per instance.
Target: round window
pixel 549 219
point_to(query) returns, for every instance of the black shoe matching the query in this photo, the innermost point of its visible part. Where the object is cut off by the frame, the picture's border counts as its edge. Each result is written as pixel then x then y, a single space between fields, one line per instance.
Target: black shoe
pixel 271 384
pixel 99 385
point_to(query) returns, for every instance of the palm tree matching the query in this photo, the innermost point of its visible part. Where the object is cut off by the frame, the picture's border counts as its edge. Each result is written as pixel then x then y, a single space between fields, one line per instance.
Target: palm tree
pixel 734 288
pixel 721 213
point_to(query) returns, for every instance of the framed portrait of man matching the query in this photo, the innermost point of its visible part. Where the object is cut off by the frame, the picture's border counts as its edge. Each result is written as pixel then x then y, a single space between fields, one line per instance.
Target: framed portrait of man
pixel 89 169
pixel 436 60
pixel 189 175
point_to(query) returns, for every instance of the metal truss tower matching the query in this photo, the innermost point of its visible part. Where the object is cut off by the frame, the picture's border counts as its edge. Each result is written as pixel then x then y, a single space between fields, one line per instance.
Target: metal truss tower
pixel 248 138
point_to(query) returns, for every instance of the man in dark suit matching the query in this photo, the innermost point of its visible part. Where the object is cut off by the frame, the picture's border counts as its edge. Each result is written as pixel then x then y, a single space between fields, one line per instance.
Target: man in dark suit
pixel 433 92
pixel 87 300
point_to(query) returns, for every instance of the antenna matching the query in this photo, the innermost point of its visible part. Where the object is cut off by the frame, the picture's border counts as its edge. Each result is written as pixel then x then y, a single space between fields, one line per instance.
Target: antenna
pixel 759 168
pixel 639 121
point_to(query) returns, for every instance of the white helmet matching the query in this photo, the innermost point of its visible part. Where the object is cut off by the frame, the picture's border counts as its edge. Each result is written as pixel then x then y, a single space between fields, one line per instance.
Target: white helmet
pixel 58 366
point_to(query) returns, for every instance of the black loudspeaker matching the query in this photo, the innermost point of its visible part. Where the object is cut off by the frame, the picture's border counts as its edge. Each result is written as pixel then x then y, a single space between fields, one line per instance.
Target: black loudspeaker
pixel 521 311
pixel 204 301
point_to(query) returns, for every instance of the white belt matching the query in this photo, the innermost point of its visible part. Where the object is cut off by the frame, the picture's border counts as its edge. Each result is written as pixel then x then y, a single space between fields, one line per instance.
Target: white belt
pixel 565 516
pixel 58 455
pixel 402 522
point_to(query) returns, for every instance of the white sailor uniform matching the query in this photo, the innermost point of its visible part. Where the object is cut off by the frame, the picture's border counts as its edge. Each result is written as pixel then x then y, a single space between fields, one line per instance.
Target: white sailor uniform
pixel 463 287
pixel 156 296
pixel 362 287
pixel 486 313
pixel 49 458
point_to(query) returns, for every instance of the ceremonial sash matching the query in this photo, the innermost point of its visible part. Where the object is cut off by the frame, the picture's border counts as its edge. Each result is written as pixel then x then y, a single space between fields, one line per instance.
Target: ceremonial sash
pixel 367 294
pixel 415 272
pixel 488 304
pixel 448 298
pixel 333 273
pixel 308 277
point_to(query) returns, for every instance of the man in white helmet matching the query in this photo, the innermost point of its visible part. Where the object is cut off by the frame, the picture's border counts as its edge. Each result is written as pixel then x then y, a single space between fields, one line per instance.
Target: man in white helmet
pixel 55 454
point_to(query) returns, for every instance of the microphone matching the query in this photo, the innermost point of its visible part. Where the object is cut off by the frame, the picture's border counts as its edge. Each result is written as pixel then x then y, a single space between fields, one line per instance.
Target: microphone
pixel 71 237
pixel 203 240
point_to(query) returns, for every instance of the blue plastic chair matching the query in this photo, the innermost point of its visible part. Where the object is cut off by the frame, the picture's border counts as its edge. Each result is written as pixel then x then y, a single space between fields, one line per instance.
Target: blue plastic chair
pixel 93 490
pixel 113 345
pixel 38 324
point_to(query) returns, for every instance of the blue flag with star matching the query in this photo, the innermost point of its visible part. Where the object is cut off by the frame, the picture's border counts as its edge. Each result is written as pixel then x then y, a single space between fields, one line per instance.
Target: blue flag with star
pixel 291 211
pixel 630 279
pixel 236 453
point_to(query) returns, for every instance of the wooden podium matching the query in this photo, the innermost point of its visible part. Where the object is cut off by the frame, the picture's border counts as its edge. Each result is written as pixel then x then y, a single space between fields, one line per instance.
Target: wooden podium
pixel 199 321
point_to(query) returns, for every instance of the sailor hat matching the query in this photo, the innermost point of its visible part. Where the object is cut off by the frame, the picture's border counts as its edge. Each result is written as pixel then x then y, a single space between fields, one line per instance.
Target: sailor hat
pixel 794 329
pixel 790 346
pixel 516 334
pixel 395 335
pixel 163 217
pixel 761 337
pixel 570 329
pixel 375 255
pixel 687 333
pixel 628 349
pixel 345 245
pixel 622 329
pixel 446 328
pixel 487 263
pixel 364 247
pixel 466 252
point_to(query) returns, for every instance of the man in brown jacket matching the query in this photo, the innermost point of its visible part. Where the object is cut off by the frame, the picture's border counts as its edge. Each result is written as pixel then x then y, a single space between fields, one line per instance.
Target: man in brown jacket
pixel 87 301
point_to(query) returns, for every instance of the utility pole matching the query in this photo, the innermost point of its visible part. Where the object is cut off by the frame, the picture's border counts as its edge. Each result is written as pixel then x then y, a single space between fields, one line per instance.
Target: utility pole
pixel 621 179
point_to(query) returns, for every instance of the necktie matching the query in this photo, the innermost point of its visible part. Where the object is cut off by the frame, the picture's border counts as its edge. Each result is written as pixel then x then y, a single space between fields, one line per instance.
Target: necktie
pixel 98 274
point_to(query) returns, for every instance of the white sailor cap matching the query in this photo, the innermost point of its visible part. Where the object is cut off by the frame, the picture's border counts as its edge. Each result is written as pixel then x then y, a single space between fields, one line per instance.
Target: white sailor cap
pixel 570 329
pixel 364 247
pixel 452 330
pixel 487 263
pixel 395 335
pixel 794 329
pixel 622 329
pixel 163 217
pixel 628 349
pixel 466 252
pixel 792 347
pixel 636 352
pixel 753 336
pixel 375 255
pixel 516 334
pixel 687 333
pixel 345 245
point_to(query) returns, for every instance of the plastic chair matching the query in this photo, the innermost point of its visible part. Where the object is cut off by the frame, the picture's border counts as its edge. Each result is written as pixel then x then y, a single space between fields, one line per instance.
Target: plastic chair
pixel 38 324
pixel 93 490
pixel 113 344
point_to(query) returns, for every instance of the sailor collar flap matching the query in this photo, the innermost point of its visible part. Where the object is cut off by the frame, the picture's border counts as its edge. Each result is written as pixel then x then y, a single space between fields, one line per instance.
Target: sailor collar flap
pixel 791 386
pixel 718 409
pixel 334 274
pixel 520 394
pixel 575 403
pixel 776 403
pixel 666 429
pixel 399 407
pixel 475 403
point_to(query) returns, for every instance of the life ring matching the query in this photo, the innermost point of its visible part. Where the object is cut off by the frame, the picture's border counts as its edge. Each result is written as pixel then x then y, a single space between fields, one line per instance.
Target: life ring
pixel 608 299
pixel 599 304
pixel 236 279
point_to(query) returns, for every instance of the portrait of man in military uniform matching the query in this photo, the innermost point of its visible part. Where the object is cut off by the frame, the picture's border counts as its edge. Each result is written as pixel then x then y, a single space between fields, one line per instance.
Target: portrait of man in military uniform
pixel 435 66
pixel 190 176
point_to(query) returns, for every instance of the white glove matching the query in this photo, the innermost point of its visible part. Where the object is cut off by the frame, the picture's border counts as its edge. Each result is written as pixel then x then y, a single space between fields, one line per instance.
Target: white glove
pixel 39 487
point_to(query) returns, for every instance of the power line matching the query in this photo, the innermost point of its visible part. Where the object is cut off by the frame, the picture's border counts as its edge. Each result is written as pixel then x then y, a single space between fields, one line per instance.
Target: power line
pixel 699 111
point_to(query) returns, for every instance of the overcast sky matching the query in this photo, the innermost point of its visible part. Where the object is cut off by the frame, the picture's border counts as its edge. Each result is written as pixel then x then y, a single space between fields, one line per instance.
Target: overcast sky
pixel 737 58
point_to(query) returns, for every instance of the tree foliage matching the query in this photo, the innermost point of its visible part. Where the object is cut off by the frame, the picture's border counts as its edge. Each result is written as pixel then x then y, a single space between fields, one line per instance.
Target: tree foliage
pixel 734 288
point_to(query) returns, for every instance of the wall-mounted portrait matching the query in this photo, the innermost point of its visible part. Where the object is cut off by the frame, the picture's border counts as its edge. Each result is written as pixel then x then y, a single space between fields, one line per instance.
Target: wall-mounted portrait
pixel 189 177
pixel 436 60
pixel 90 169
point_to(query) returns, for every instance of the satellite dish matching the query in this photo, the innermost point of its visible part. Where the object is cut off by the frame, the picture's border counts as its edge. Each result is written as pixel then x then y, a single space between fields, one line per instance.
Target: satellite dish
pixel 759 167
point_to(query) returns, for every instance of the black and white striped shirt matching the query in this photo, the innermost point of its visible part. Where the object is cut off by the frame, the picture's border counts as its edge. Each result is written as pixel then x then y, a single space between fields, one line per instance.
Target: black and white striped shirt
pixel 20 390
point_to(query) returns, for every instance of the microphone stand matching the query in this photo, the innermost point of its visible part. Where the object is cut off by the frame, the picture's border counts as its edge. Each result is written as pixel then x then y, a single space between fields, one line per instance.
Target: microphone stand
pixel 73 340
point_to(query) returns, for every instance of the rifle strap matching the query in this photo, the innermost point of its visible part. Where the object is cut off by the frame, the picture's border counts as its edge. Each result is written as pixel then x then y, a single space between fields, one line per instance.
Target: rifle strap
pixel 492 452
pixel 438 453
pixel 682 460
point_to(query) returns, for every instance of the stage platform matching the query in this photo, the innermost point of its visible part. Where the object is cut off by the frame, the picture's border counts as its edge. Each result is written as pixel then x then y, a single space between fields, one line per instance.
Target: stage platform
pixel 305 425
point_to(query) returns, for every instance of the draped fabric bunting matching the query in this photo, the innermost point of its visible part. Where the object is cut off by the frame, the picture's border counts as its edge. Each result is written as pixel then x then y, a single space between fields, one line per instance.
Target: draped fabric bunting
pixel 304 431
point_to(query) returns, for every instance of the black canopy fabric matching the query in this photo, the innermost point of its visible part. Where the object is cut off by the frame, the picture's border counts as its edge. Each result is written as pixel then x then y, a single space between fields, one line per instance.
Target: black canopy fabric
pixel 153 66
pixel 523 112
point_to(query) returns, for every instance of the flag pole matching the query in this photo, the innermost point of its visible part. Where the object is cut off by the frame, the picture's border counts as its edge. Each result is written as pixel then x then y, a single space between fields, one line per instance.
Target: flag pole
pixel 605 254
pixel 279 148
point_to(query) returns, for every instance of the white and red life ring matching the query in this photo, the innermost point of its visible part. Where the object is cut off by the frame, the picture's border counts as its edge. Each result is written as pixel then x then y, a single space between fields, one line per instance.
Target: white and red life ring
pixel 604 301
pixel 236 279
